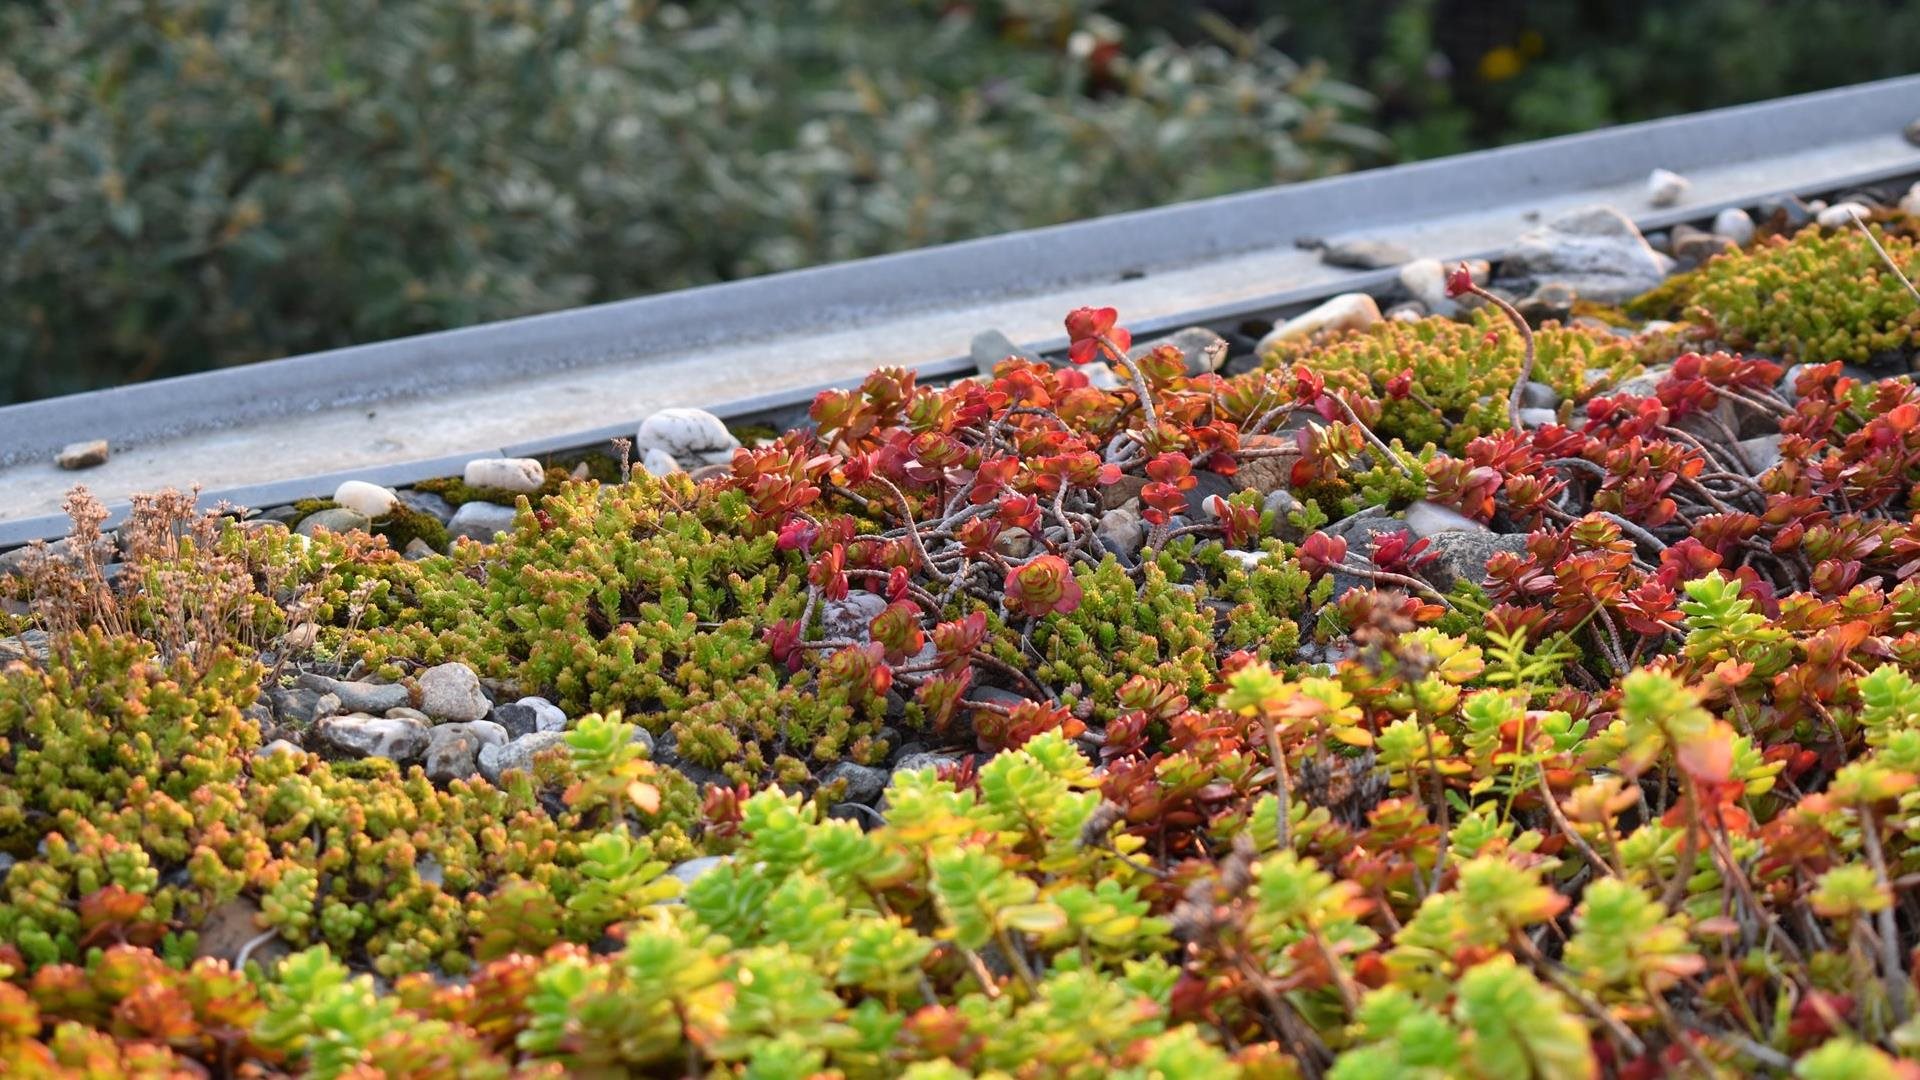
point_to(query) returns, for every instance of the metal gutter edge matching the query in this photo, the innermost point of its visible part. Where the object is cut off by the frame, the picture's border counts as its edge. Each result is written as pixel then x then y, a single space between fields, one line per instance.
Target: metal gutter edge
pixel 792 302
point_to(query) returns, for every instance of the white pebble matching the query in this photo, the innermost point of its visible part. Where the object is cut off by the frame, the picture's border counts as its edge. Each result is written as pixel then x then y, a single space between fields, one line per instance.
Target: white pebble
pixel 369 499
pixel 1348 311
pixel 1665 187
pixel 506 474
pixel 1910 202
pixel 687 434
pixel 1840 215
pixel 658 462
pixel 1734 224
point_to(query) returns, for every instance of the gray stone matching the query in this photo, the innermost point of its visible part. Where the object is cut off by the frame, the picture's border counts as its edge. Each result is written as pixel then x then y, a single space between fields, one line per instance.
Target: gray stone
pixel 1910 202
pixel 1428 519
pixel 417 550
pixel 689 435
pixel 693 870
pixel 374 736
pixel 32 646
pixel 1912 131
pixel 426 502
pixel 1100 376
pixel 852 616
pixel 452 692
pixel 497 760
pixel 1203 349
pixel 1407 311
pixel 520 475
pixel 927 759
pixel 1792 212
pixel 990 347
pixel 1595 249
pixel 1248 560
pixel 865 784
pixel 1551 300
pixel 429 871
pixel 517 719
pixel 644 738
pixel 1760 453
pixel 82 455
pixel 1282 505
pixel 1462 556
pixel 1365 254
pixel 327 705
pixel 1535 418
pixel 1358 529
pixel 278 746
pixel 1665 187
pixel 1207 485
pixel 406 713
pixel 1538 395
pixel 337 520
pixel 1734 224
pixel 362 697
pixel 548 716
pixel 1015 543
pixel 1122 531
pixel 293 705
pixel 480 521
pixel 1697 247
pixel 453 749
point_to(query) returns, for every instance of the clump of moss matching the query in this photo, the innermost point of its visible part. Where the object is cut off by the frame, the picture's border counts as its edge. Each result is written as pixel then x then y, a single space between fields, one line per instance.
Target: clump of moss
pixel 458 492
pixel 1462 371
pixel 404 525
pixel 1821 295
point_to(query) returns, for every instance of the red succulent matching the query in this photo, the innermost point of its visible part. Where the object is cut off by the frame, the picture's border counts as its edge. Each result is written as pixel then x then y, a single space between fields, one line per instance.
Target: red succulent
pixel 1086 327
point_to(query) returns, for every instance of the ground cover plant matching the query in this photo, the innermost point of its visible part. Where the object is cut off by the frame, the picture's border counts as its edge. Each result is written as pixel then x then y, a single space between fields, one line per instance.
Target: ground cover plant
pixel 1212 725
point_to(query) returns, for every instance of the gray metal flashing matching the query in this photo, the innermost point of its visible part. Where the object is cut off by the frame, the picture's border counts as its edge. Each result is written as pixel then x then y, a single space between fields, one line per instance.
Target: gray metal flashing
pixel 402 410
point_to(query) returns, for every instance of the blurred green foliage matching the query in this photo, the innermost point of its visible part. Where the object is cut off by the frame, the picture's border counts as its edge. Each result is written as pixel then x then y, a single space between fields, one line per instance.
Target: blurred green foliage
pixel 193 183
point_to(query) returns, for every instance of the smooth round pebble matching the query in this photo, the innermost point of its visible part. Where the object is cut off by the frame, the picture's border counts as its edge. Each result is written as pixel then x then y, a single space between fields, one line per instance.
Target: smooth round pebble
pixel 520 475
pixel 364 498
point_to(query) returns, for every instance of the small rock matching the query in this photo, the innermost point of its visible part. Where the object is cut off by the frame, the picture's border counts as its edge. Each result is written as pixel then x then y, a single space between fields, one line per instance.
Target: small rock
pixel 360 697
pixel 1665 187
pixel 517 719
pixel 1841 215
pixel 658 462
pixel 231 927
pixel 1364 254
pixel 644 738
pixel 1248 560
pixel 865 784
pixel 1912 131
pixel 1910 202
pixel 418 549
pixel 1428 519
pixel 278 746
pixel 1122 491
pixel 523 475
pixel 31 646
pixel 1791 211
pixel 1208 484
pixel 1734 224
pixel 326 705
pixel 453 749
pixel 1203 349
pixel 429 871
pixel 1661 241
pixel 1596 250
pixel 853 616
pixel 1462 556
pixel 1408 311
pixel 1014 543
pixel 1282 505
pixel 293 706
pixel 1538 395
pixel 1550 300
pixel 547 715
pixel 1348 311
pixel 452 692
pixel 374 736
pixel 1100 376
pixel 1426 281
pixel 1122 531
pixel 336 520
pixel 689 435
pixel 710 472
pixel 481 521
pixel 1538 418
pixel 927 759
pixel 1270 471
pixel 693 870
pixel 82 455
pixel 1760 453
pixel 369 499
pixel 1697 247
pixel 496 760
pixel 405 713
pixel 990 347
pixel 426 502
